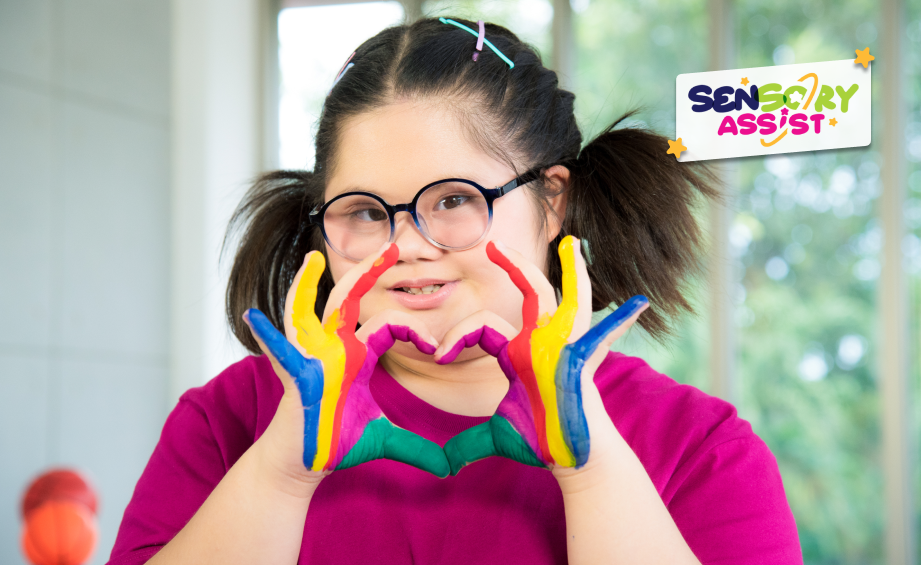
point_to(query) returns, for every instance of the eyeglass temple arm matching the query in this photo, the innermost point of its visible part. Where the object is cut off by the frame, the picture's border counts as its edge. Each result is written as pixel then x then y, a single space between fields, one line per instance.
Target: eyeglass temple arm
pixel 515 183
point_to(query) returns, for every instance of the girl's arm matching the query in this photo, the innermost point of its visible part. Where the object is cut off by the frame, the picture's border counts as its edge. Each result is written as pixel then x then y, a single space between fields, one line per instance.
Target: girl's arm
pixel 613 512
pixel 553 414
pixel 257 511
pixel 255 514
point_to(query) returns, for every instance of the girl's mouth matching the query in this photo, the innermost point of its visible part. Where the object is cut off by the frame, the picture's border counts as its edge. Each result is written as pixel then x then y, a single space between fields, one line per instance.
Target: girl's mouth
pixel 424 290
pixel 421 294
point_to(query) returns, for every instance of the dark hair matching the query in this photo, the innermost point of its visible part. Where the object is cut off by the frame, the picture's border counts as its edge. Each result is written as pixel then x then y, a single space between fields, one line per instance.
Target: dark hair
pixel 627 197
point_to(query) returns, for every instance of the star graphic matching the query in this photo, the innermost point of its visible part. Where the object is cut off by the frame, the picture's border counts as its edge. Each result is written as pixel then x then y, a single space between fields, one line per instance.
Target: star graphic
pixel 832 122
pixel 675 148
pixel 745 81
pixel 863 57
pixel 784 112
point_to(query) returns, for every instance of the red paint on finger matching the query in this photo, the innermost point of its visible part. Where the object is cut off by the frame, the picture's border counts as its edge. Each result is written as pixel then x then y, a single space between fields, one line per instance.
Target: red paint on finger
pixel 349 310
pixel 355 350
pixel 530 306
pixel 519 349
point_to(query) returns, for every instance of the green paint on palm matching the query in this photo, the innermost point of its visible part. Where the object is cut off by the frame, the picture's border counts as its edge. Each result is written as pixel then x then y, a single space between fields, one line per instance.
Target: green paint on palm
pixel 493 437
pixel 382 440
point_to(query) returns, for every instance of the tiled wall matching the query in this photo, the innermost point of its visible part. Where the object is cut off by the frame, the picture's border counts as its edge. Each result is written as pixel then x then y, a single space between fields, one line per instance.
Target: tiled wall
pixel 84 246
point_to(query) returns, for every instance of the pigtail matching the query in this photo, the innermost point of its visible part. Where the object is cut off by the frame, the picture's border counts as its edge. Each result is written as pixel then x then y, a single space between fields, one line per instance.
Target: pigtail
pixel 272 221
pixel 635 206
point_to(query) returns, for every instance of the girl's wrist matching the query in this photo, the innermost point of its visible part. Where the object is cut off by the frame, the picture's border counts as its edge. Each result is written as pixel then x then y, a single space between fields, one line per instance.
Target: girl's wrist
pixel 606 463
pixel 268 472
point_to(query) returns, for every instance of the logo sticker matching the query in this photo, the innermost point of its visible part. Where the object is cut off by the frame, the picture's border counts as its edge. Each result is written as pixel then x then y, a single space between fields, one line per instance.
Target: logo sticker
pixel 770 110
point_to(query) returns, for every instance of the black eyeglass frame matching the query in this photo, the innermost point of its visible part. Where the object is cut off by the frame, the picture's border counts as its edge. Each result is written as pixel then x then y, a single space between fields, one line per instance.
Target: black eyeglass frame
pixel 315 217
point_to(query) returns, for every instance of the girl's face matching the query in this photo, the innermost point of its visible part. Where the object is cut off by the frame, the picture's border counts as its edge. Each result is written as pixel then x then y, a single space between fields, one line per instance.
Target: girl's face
pixel 393 152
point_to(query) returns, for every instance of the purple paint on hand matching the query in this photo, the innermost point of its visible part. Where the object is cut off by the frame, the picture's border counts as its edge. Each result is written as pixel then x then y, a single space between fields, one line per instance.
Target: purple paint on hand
pixel 384 338
pixel 515 407
pixel 487 338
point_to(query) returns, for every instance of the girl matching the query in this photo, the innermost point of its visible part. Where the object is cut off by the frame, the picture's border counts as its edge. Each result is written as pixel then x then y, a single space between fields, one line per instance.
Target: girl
pixel 439 116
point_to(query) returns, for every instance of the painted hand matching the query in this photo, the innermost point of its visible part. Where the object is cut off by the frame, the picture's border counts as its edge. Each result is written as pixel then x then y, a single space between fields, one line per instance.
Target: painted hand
pixel 332 367
pixel 540 421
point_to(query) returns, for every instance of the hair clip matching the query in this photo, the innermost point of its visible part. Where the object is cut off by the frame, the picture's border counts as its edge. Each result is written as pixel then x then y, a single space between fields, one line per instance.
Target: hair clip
pixel 481 38
pixel 345 67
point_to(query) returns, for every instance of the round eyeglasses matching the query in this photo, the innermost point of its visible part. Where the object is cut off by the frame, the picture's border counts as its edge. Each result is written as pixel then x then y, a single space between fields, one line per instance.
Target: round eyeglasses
pixel 453 214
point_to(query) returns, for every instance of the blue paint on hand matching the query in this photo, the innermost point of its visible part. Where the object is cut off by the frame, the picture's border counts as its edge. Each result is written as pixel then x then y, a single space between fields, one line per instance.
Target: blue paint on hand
pixel 307 375
pixel 569 377
pixel 589 342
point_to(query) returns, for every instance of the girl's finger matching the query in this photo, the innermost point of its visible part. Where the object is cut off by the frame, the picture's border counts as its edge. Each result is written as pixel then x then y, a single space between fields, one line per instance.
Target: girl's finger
pixel 301 322
pixel 290 366
pixel 583 292
pixel 484 328
pixel 383 329
pixel 596 343
pixel 574 315
pixel 539 296
pixel 346 295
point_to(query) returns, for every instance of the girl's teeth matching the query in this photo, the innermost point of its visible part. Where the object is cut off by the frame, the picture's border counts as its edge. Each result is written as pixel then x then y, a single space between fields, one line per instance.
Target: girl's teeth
pixel 424 290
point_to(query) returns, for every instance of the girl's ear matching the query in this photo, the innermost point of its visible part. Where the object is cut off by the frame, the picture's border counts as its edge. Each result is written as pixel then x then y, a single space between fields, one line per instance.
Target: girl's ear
pixel 556 179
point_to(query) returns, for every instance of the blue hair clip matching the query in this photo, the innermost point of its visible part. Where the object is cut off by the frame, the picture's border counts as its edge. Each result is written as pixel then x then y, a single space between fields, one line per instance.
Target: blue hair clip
pixel 479 37
pixel 345 67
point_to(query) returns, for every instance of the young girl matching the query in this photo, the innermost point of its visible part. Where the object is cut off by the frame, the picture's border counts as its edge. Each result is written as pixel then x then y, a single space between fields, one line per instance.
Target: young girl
pixel 431 119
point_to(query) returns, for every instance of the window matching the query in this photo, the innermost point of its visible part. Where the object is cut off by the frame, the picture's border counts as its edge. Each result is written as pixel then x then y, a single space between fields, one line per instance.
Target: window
pixel 911 245
pixel 808 238
pixel 314 43
pixel 633 66
pixel 805 237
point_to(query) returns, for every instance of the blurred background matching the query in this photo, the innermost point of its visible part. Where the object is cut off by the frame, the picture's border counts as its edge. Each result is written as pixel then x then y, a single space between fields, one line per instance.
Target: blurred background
pixel 130 129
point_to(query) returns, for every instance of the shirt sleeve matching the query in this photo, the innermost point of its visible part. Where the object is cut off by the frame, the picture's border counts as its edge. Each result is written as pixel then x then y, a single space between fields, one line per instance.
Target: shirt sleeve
pixel 186 465
pixel 730 506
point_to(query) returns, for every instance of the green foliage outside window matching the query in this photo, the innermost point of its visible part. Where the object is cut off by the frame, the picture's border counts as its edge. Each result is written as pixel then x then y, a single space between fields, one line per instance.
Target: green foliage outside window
pixel 805 239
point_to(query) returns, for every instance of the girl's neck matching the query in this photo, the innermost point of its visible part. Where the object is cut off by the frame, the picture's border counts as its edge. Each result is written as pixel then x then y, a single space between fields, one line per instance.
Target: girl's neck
pixel 468 388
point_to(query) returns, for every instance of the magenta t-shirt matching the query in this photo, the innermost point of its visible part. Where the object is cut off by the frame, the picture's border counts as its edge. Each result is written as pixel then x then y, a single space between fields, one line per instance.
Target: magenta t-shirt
pixel 718 480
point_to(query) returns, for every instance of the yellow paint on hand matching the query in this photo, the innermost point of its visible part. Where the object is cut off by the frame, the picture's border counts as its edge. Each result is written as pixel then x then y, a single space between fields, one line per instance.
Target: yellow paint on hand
pixel 546 345
pixel 320 341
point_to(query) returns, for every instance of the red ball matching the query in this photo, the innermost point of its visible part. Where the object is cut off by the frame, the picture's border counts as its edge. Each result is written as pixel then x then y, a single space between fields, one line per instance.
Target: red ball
pixel 59 532
pixel 58 484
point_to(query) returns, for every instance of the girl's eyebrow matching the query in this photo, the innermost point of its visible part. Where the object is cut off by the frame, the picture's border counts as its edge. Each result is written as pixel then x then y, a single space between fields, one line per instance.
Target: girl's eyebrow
pixel 349 189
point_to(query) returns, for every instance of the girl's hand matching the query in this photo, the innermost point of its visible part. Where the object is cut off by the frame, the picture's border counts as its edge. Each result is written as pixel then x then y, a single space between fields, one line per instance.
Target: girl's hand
pixel 326 369
pixel 541 420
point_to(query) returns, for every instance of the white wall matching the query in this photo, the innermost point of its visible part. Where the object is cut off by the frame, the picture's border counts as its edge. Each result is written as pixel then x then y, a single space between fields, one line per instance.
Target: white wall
pixel 217 149
pixel 84 246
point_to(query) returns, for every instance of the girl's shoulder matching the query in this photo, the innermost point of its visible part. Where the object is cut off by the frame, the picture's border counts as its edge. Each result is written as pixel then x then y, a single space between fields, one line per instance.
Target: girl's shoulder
pixel 671 427
pixel 240 401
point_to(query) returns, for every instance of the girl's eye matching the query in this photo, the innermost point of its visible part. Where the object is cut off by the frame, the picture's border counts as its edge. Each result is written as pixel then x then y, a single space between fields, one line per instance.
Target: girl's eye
pixel 453 201
pixel 369 215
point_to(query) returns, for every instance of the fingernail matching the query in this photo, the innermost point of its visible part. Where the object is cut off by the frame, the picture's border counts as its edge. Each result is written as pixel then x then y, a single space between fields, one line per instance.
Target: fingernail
pixel 383 247
pixel 500 245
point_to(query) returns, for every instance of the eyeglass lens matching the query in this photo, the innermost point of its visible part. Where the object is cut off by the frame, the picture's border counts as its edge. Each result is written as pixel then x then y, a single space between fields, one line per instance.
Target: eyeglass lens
pixel 453 214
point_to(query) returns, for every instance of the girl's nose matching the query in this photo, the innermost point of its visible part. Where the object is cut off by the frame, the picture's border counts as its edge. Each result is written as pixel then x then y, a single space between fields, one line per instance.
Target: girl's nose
pixel 412 243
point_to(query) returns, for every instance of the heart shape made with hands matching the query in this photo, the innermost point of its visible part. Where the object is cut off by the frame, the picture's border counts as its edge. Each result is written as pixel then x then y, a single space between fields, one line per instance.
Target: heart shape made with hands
pixel 539 422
